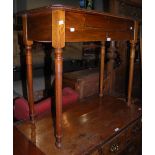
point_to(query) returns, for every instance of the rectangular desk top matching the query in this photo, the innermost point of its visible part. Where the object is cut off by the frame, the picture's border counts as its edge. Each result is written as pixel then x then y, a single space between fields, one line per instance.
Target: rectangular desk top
pixel 78 25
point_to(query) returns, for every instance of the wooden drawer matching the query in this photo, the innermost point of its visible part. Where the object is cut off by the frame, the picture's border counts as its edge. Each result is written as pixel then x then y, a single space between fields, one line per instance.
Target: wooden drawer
pixel 115 145
pixel 127 142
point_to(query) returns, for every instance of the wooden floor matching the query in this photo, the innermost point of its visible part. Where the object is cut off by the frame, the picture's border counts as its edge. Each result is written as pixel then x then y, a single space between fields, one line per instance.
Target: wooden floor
pixel 85 124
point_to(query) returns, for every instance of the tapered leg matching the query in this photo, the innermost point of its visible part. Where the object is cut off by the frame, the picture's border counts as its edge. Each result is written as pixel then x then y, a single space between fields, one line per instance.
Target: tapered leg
pixel 58 95
pixel 131 70
pixel 102 68
pixel 29 80
pixel 141 46
pixel 111 54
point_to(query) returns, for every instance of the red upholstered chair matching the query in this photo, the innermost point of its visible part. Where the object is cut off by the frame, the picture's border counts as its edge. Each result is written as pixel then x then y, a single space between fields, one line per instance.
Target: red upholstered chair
pixel 21 108
pixel 69 96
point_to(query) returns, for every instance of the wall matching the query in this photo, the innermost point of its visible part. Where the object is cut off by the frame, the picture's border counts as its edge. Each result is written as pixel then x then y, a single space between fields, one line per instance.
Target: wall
pixel 130 8
pixel 66 2
pixel 38 3
pixel 19 5
pixel 98 5
pixel 30 4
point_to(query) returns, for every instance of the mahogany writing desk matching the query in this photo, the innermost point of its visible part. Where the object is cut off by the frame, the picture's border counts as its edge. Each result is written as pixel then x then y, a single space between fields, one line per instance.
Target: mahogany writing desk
pixel 59 24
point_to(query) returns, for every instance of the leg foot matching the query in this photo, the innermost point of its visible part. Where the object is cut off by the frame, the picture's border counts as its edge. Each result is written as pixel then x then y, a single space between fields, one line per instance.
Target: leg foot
pixel 100 95
pixel 58 142
pixel 32 118
pixel 129 102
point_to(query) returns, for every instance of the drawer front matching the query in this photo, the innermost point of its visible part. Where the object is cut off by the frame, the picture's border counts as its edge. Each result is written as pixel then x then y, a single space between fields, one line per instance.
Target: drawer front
pixel 115 145
pixel 97 152
pixel 128 140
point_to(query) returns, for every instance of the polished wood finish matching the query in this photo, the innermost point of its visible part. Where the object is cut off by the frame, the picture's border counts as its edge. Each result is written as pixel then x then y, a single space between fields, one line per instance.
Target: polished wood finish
pixel 136 28
pixel 26 40
pixel 42 23
pixel 28 46
pixel 140 29
pixel 58 28
pixel 88 126
pixel 103 24
pixel 58 95
pixel 132 56
pixel 23 146
pixel 59 24
pixel 92 26
pixel 58 42
pixel 29 80
pixel 102 68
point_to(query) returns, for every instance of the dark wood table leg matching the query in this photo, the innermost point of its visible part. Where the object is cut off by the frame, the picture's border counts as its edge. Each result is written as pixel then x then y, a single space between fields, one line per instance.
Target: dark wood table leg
pixel 29 80
pixel 132 57
pixel 111 55
pixel 58 42
pixel 141 44
pixel 131 70
pixel 58 95
pixel 102 67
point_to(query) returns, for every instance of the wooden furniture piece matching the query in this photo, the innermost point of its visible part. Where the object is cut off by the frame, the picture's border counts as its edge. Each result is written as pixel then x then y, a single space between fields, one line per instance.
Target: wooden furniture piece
pixel 59 24
pixel 93 126
pixel 84 82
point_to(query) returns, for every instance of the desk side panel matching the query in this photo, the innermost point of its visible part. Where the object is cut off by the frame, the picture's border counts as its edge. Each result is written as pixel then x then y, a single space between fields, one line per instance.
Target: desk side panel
pixel 40 26
pixel 108 23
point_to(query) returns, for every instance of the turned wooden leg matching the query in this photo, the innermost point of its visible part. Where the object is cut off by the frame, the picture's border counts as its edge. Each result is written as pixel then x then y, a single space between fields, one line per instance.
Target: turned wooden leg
pixel 29 80
pixel 102 68
pixel 58 42
pixel 111 54
pixel 131 70
pixel 28 46
pixel 58 95
pixel 141 44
